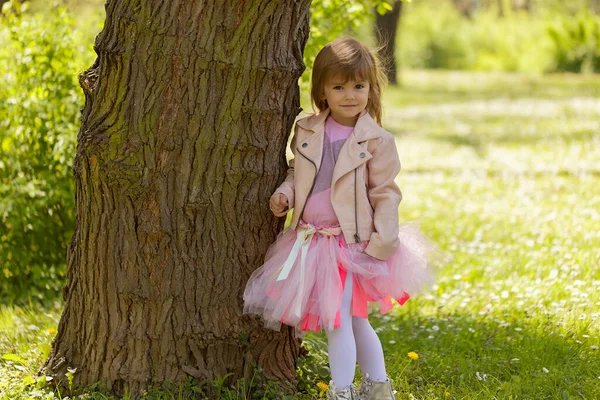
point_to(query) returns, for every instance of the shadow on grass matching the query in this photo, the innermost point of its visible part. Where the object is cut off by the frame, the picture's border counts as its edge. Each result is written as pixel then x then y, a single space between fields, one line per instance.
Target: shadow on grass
pixel 488 357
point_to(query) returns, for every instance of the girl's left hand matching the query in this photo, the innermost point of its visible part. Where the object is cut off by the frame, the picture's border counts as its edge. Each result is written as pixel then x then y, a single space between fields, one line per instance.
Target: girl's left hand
pixel 279 204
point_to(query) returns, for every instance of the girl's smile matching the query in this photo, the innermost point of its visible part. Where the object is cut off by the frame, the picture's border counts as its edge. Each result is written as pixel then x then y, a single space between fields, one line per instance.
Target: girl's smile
pixel 346 99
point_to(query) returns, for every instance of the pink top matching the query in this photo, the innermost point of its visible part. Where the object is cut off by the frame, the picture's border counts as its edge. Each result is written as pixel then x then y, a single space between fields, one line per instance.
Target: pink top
pixel 318 210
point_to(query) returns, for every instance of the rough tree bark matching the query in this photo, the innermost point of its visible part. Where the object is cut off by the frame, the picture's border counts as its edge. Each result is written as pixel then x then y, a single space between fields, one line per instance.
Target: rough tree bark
pixel 386 26
pixel 187 113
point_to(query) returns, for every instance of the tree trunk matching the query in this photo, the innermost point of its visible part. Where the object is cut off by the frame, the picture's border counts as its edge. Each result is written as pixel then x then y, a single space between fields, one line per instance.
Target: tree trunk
pixel 184 129
pixel 386 27
pixel 464 7
pixel 501 8
pixel 518 5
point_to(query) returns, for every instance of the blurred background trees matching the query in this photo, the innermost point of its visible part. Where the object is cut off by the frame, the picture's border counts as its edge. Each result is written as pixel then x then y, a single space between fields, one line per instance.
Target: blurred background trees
pixel 45 47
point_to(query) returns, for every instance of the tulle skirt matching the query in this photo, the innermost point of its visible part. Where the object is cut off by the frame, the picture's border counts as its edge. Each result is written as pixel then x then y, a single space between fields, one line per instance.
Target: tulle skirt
pixel 302 280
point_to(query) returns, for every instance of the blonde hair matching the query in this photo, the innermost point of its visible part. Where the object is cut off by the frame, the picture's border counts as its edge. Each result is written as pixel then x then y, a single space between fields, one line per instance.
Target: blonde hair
pixel 348 59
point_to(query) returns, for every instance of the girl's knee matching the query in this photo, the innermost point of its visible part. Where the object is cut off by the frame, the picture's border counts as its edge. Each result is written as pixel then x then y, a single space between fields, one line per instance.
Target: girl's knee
pixel 360 323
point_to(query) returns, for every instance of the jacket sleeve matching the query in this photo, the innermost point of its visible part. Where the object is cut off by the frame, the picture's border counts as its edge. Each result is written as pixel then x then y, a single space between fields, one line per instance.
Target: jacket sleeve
pixel 385 197
pixel 287 186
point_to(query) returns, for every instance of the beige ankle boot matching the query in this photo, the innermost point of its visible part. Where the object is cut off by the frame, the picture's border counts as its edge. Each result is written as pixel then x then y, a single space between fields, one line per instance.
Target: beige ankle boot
pixel 346 393
pixel 370 390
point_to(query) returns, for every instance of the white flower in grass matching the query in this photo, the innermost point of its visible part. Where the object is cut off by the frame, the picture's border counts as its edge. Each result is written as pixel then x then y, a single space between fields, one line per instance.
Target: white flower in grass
pixel 545 369
pixel 515 360
pixel 518 329
pixel 471 330
pixel 481 377
pixel 594 347
pixel 435 328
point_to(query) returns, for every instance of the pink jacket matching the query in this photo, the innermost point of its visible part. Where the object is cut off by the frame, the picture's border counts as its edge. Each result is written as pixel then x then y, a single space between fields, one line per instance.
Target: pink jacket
pixel 364 196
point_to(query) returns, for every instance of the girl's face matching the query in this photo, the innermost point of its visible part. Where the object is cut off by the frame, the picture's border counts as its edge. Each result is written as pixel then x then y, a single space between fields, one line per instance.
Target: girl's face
pixel 346 99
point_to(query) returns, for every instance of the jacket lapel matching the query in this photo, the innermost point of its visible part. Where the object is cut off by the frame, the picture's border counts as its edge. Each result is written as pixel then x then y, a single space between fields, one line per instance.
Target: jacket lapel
pixel 312 146
pixel 353 154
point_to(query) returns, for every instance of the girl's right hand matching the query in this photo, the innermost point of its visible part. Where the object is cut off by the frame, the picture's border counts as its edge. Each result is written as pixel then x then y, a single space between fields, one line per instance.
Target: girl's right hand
pixel 279 204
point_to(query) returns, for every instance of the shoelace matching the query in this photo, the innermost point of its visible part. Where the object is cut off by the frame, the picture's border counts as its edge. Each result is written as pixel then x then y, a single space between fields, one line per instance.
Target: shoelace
pixel 366 385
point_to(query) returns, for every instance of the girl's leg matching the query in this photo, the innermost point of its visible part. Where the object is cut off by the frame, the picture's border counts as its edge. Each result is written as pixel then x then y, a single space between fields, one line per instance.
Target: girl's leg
pixel 369 350
pixel 341 345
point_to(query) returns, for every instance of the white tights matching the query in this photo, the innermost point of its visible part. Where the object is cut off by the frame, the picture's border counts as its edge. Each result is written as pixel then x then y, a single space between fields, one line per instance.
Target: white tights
pixel 354 339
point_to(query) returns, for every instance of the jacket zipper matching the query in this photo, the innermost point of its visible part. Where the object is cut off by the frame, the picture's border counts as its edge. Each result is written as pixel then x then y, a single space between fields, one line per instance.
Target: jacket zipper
pixel 356 235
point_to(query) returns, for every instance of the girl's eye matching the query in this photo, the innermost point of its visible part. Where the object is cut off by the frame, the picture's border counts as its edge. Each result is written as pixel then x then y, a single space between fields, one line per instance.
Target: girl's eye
pixel 337 87
pixel 359 86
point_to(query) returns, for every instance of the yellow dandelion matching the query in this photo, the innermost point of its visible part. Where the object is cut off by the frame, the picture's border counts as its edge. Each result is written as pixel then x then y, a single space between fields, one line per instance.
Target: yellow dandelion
pixel 447 394
pixel 413 355
pixel 51 331
pixel 19 311
pixel 323 386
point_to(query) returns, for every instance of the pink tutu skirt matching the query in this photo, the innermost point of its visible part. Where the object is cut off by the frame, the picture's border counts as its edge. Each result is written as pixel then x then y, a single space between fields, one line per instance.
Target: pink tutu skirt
pixel 302 280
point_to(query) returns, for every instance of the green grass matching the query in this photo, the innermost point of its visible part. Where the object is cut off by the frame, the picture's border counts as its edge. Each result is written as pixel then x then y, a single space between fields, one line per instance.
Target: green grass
pixel 503 171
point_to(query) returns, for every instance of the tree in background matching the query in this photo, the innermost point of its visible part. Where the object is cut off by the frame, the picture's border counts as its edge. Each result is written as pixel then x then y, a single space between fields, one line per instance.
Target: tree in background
pixel 187 111
pixel 386 28
pixel 466 7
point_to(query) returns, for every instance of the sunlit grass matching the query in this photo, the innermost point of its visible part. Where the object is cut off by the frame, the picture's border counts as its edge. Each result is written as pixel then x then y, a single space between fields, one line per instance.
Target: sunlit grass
pixel 511 187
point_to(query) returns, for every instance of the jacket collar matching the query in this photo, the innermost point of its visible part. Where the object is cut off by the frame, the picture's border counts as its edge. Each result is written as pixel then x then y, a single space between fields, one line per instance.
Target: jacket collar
pixel 352 154
pixel 366 128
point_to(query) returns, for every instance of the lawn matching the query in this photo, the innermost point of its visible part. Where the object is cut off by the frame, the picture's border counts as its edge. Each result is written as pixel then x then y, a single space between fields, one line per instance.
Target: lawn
pixel 503 171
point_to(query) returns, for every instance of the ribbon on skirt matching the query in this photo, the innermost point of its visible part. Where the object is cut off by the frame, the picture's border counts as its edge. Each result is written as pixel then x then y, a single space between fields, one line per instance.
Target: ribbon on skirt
pixel 305 233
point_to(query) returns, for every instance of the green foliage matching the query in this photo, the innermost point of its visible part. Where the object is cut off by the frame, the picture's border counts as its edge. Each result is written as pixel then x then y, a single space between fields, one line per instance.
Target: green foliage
pixel 314 367
pixel 436 35
pixel 39 60
pixel 330 19
pixel 434 38
pixel 440 37
pixel 576 42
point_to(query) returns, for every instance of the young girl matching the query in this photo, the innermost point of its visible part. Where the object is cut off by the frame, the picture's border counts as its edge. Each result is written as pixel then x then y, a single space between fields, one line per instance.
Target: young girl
pixel 344 247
